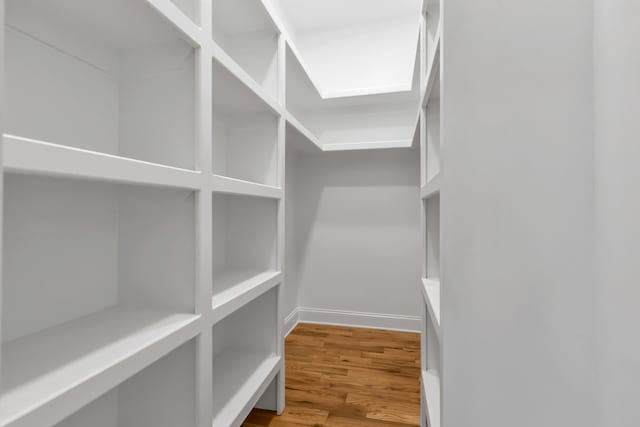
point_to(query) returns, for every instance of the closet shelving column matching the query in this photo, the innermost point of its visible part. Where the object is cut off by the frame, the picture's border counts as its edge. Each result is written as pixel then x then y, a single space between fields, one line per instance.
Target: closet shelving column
pixel 100 159
pixel 431 179
pixel 247 211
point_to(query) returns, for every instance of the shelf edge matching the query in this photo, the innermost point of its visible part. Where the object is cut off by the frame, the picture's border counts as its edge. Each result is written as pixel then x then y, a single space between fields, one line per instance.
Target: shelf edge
pixel 223 184
pixel 226 61
pixel 431 295
pixel 434 63
pixel 431 189
pixel 73 397
pixel 236 420
pixel 431 391
pixel 247 294
pixel 30 156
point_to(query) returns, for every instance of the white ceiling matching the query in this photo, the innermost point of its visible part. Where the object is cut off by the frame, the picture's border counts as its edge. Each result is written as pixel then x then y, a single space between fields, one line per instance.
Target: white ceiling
pixel 316 14
pixel 353 47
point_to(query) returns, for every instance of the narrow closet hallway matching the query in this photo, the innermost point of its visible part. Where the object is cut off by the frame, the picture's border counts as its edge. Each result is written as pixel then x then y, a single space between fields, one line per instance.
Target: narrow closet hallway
pixel 320 213
pixel 341 376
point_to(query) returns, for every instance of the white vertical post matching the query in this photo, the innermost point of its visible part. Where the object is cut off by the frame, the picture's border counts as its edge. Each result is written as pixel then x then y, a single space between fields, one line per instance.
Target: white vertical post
pixel 204 135
pixel 1 164
pixel 281 218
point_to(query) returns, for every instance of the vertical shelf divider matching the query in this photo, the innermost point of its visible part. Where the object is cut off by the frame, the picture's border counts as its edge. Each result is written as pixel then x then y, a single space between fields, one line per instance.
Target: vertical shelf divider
pixel 204 237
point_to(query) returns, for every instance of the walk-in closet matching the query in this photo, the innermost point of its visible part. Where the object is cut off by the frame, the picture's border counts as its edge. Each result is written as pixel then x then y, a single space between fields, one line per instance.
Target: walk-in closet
pixel 289 213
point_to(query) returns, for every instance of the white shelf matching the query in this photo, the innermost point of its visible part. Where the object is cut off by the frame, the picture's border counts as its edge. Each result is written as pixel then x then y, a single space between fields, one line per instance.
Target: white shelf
pixel 431 295
pixel 125 87
pixel 432 188
pixel 431 392
pixel 432 73
pixel 239 287
pixel 24 155
pixel 367 145
pixel 223 184
pixel 240 378
pixel 244 234
pixel 432 237
pixel 50 374
pixel 302 130
pixel 182 14
pixel 234 69
pixel 245 131
pixel 246 32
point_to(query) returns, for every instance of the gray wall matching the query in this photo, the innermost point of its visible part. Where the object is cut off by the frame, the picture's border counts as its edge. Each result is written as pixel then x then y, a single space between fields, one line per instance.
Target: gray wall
pixel 518 297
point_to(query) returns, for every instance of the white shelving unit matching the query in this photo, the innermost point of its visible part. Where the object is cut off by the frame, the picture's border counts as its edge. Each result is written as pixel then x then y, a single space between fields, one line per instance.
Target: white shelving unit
pixel 245 132
pixel 143 170
pixel 246 32
pixel 125 87
pixel 245 358
pixel 162 394
pixel 244 248
pixel 432 282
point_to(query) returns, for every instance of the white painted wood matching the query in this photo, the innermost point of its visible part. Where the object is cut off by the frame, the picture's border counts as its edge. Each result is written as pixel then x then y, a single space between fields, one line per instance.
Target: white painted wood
pixel 126 89
pixel 244 234
pixel 233 289
pixel 1 170
pixel 274 397
pixel 300 129
pixel 431 295
pixel 240 379
pixel 433 152
pixel 163 395
pixel 432 235
pixel 433 24
pixel 245 131
pixel 432 188
pixel 432 72
pixel 244 30
pixel 77 247
pixel 431 391
pixel 28 156
pixel 84 358
pixel 245 358
pixel 204 224
pixel 222 184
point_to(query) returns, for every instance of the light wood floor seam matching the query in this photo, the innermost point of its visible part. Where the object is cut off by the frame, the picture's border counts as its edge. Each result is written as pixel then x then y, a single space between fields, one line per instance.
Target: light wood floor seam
pixel 347 377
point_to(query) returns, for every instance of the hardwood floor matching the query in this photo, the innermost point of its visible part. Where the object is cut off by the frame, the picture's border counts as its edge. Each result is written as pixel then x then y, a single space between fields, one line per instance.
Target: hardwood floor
pixel 347 377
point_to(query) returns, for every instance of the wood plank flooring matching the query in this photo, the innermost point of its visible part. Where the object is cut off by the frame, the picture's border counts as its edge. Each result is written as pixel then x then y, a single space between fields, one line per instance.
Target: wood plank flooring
pixel 347 377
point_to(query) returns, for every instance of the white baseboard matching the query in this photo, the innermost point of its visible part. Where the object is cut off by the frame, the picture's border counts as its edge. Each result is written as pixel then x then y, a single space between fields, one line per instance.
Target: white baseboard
pixel 291 321
pixel 355 319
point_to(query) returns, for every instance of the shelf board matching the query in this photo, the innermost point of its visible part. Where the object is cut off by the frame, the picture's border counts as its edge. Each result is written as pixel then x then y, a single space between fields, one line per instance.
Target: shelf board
pixel 227 62
pixel 179 20
pixel 240 288
pixel 223 184
pixel 431 392
pixel 432 188
pixel 367 145
pixel 51 374
pixel 431 294
pixel 433 68
pixel 30 156
pixel 306 133
pixel 239 380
